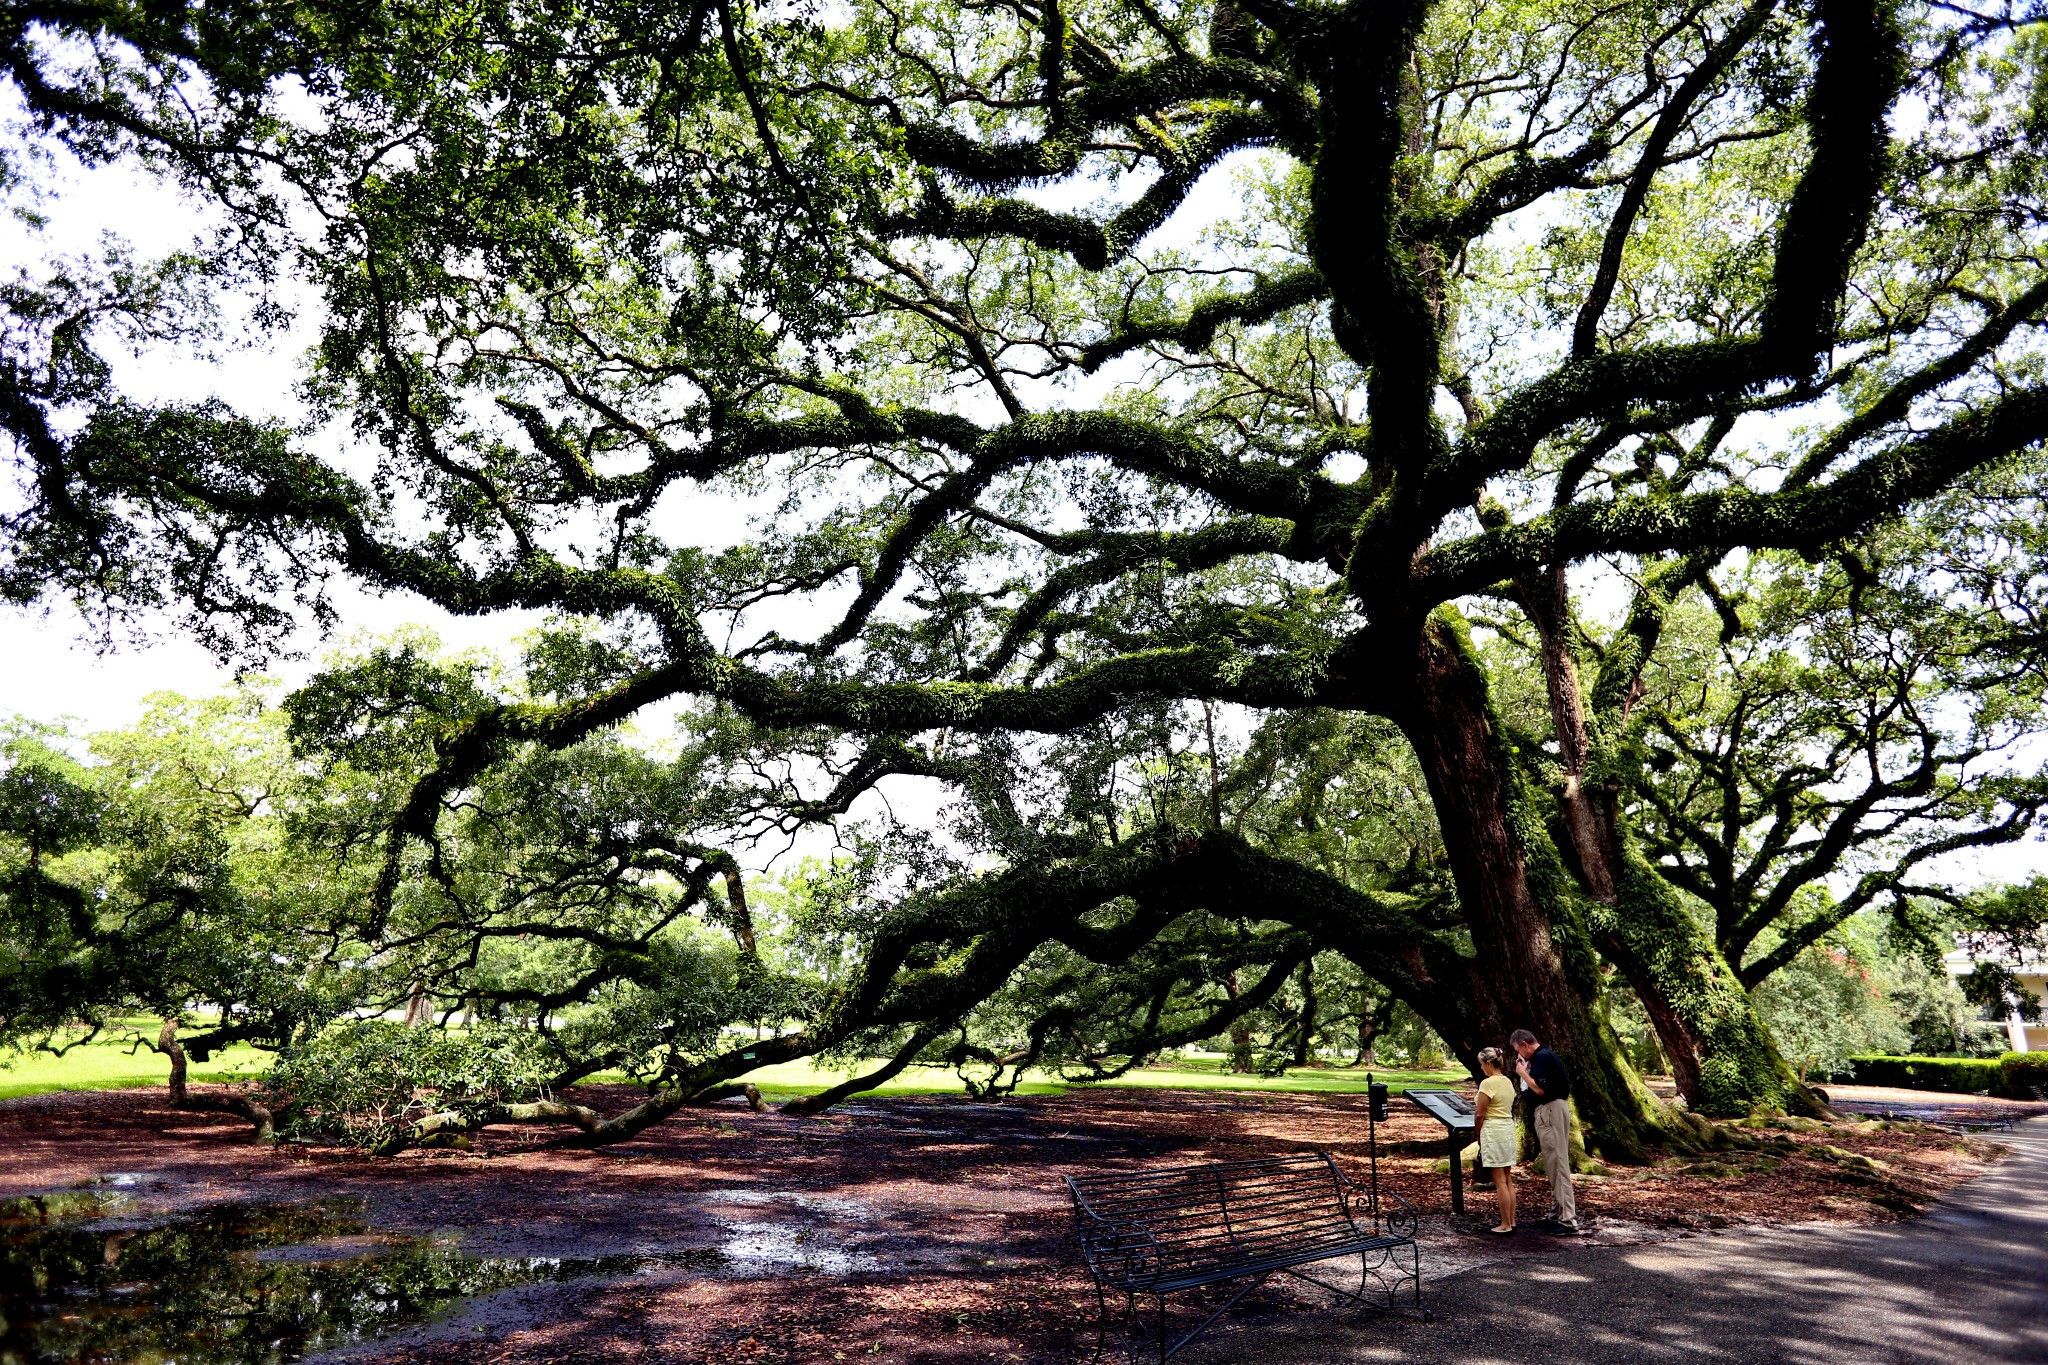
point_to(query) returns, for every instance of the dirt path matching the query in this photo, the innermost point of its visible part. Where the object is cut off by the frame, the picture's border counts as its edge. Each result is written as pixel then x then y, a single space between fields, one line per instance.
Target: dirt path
pixel 905 1230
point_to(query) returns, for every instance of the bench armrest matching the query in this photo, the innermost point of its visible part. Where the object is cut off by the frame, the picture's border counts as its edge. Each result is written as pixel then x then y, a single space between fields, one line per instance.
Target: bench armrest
pixel 1119 1253
pixel 1391 1214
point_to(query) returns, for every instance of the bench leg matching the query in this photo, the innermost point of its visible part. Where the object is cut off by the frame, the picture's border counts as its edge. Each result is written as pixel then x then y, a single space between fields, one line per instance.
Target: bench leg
pixel 1167 1352
pixel 1136 1346
pixel 1357 1297
pixel 1133 1332
pixel 1377 1289
pixel 1101 1322
pixel 1415 1251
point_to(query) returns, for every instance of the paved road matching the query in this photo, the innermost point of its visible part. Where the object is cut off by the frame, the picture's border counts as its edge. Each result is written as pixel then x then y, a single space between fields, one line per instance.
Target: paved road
pixel 1966 1284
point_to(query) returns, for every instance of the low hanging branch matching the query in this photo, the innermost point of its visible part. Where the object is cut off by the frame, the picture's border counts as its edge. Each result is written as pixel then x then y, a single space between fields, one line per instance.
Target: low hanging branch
pixel 261 1116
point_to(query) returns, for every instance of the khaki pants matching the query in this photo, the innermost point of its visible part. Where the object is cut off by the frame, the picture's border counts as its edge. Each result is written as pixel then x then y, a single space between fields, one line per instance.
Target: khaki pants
pixel 1554 1136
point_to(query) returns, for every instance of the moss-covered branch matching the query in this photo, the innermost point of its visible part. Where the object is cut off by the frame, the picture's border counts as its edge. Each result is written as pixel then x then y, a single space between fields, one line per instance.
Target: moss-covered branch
pixel 1805 518
pixel 1194 330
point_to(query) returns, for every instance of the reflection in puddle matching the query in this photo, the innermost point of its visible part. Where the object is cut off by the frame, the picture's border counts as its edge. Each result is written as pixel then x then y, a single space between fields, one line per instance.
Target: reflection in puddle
pixel 761 1247
pixel 82 1279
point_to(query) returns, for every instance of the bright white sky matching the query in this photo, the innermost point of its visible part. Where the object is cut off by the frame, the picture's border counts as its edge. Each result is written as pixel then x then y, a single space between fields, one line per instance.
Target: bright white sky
pixel 52 667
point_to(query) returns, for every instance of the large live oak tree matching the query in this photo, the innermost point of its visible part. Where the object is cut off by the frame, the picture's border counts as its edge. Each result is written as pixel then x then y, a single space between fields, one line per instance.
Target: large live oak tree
pixel 1506 289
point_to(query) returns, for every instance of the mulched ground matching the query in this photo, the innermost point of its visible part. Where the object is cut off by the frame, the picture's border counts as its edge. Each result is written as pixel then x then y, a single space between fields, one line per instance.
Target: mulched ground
pixel 911 1230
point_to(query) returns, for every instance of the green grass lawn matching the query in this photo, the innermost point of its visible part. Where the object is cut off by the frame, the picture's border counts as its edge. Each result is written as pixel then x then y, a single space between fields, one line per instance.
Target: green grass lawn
pixel 1296 1080
pixel 114 1063
pixel 791 1079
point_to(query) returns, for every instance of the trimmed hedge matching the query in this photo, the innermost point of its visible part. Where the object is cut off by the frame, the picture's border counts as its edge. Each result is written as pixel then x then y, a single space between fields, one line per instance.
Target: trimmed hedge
pixel 1965 1075
pixel 2023 1076
pixel 2014 1076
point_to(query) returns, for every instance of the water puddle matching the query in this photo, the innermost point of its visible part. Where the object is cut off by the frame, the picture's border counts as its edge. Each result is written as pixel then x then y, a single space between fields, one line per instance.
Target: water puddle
pixel 752 1247
pixel 88 1276
pixel 1957 1118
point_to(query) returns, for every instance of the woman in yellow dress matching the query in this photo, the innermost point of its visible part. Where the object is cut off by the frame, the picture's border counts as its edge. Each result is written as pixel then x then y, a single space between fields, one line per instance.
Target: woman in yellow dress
pixel 1494 1112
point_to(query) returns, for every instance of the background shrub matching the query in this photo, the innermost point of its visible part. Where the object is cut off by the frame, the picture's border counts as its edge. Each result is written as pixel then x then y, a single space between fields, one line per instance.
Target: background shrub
pixel 2023 1076
pixel 366 1080
pixel 1966 1075
pixel 2014 1076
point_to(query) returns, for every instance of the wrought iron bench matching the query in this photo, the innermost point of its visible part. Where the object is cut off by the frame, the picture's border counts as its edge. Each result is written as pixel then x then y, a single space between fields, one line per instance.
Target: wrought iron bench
pixel 1159 1232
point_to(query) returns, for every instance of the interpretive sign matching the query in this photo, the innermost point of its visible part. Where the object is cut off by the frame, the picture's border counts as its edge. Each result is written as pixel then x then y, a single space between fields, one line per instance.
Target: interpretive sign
pixel 1447 1107
pixel 1453 1110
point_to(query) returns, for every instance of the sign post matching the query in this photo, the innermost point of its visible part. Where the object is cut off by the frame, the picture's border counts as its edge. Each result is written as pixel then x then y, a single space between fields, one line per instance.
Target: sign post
pixel 1375 1110
pixel 1454 1112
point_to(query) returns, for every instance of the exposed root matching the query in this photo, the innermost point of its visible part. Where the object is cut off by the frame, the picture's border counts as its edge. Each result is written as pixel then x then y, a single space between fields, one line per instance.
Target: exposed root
pixel 261 1117
pixel 1808 1102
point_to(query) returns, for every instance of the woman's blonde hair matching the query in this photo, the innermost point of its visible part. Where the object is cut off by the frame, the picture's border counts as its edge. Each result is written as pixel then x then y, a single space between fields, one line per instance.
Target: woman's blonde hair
pixel 1491 1056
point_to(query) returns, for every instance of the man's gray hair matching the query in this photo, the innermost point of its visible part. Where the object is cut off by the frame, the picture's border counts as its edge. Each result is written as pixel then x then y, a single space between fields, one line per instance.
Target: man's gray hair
pixel 1520 1036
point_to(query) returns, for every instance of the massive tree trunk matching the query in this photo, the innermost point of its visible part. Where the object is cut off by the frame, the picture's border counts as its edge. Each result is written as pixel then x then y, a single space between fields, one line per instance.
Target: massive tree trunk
pixel 1372 1021
pixel 1722 1057
pixel 1534 967
pixel 1240 1032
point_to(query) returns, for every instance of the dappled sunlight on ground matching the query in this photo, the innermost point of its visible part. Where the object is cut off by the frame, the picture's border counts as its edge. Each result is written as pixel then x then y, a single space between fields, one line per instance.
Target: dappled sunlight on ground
pixel 931 1229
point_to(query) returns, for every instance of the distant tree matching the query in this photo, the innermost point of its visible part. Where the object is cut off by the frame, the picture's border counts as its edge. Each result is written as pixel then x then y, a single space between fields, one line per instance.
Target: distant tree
pixel 1824 1007
pixel 48 812
pixel 155 875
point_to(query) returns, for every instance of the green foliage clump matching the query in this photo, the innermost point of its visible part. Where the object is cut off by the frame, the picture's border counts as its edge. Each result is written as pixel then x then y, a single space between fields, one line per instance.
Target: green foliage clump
pixel 1963 1075
pixel 2022 1076
pixel 367 1081
pixel 149 870
pixel 686 990
pixel 1824 1006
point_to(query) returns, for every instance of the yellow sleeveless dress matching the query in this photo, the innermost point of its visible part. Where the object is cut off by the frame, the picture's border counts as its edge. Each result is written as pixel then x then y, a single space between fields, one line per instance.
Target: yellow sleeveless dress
pixel 1497 1135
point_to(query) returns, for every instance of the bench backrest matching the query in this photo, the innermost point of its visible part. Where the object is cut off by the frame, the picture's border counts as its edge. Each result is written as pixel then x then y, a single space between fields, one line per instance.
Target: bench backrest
pixel 1158 1224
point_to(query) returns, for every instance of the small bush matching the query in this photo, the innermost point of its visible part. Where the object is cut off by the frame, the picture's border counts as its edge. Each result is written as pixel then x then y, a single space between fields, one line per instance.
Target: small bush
pixel 2023 1076
pixel 367 1080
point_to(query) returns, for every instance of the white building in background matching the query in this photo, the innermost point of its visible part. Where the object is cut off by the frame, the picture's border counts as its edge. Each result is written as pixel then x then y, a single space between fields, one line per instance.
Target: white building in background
pixel 2031 970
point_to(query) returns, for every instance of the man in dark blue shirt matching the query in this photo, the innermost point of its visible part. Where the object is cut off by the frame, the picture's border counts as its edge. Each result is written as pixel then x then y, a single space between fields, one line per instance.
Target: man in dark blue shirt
pixel 1549 1086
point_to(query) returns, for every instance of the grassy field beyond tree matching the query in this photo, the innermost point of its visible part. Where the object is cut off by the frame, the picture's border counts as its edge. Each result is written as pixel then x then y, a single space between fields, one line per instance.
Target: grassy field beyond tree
pixel 115 1064
pixel 124 1064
